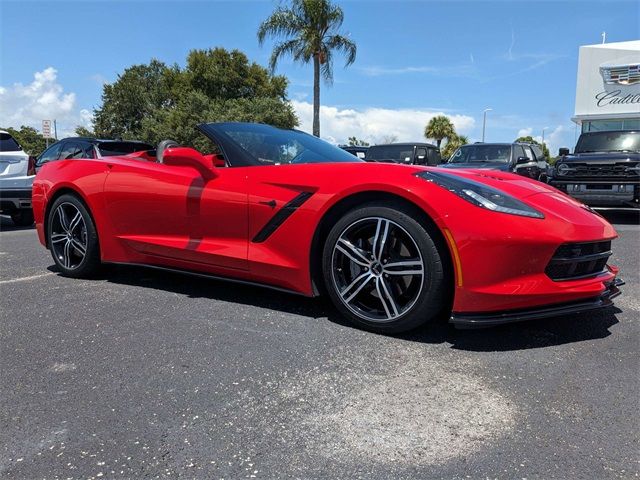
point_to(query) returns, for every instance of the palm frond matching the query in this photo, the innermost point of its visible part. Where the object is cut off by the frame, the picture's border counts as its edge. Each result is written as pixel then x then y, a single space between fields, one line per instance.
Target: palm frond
pixel 282 22
pixel 295 48
pixel 344 45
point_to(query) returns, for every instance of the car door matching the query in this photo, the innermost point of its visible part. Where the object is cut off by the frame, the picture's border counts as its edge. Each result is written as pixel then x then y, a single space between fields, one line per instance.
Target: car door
pixel 171 213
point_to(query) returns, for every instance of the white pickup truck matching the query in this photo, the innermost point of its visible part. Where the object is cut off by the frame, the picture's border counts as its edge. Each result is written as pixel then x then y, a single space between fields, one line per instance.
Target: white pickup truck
pixel 17 171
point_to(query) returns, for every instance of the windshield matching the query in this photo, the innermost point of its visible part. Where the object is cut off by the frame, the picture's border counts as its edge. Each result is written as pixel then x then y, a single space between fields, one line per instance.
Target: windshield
pixel 8 144
pixel 110 149
pixel 481 154
pixel 269 145
pixel 393 153
pixel 608 142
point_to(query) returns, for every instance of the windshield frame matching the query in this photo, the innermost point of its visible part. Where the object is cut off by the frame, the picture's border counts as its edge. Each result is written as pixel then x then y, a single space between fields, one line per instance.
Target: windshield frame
pixel 236 155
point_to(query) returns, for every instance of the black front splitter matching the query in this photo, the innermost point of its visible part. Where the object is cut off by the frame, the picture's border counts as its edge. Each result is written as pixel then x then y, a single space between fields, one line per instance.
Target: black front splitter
pixel 490 319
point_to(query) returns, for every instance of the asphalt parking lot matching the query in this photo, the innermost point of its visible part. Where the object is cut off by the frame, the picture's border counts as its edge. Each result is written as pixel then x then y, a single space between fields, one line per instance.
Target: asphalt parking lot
pixel 146 374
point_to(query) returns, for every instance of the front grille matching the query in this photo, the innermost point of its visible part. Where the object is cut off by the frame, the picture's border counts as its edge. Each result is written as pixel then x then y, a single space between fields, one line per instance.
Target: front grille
pixel 579 260
pixel 618 170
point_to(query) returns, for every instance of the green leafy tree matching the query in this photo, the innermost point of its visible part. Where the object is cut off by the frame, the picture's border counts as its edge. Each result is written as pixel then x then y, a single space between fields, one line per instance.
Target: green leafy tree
pixel 439 128
pixel 530 139
pixel 153 102
pixel 84 132
pixel 309 30
pixel 31 141
pixel 356 142
pixel 453 143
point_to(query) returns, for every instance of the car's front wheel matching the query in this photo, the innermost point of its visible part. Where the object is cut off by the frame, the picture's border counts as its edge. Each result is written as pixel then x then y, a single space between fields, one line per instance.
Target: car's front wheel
pixel 72 237
pixel 383 270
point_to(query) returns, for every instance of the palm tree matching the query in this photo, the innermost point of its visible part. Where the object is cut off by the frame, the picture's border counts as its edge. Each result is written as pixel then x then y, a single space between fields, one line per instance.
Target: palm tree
pixel 439 128
pixel 453 143
pixel 309 29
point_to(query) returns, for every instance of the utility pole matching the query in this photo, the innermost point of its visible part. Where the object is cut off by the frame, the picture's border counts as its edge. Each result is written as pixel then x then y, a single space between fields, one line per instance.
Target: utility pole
pixel 55 130
pixel 484 121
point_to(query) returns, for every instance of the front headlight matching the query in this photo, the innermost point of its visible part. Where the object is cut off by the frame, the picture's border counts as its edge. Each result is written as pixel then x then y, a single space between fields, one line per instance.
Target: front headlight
pixel 480 194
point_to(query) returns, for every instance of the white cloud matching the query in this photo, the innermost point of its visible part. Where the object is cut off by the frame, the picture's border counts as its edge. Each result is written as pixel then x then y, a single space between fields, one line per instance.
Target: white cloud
pixel 42 99
pixel 374 124
pixel 525 132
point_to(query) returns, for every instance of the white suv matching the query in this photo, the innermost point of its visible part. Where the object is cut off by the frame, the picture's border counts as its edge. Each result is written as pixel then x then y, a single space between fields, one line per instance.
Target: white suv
pixel 17 171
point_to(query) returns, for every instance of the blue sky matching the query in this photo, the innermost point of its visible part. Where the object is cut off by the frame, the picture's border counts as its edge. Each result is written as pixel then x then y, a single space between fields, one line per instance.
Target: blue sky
pixel 415 59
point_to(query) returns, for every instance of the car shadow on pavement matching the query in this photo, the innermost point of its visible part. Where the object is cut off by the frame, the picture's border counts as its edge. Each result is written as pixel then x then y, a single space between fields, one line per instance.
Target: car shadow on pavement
pixel 6 225
pixel 519 336
pixel 620 216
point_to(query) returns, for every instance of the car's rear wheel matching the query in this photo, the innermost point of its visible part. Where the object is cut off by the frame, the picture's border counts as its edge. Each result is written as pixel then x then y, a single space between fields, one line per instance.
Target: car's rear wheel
pixel 72 237
pixel 22 218
pixel 383 270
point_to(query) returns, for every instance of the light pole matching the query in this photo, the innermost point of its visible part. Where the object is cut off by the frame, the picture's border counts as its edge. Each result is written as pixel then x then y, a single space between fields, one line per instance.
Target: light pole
pixel 543 134
pixel 484 121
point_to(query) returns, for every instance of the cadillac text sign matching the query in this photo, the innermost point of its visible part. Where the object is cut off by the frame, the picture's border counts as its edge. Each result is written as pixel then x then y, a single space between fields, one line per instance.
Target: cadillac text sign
pixel 608 81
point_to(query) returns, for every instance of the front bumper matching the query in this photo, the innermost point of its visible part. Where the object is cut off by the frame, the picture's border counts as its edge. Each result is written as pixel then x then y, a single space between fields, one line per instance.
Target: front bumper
pixel 489 319
pixel 621 193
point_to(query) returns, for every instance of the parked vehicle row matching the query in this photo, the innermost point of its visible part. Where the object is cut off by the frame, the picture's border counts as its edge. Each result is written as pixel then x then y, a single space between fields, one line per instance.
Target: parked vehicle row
pixel 17 169
pixel 604 169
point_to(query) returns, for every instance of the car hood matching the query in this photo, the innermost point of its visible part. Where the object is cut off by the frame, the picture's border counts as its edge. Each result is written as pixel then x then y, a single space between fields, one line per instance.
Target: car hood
pixel 503 167
pixel 602 157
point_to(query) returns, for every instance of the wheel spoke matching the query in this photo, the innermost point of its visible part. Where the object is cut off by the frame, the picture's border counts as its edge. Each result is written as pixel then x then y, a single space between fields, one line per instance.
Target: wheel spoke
pixel 79 246
pixel 360 281
pixel 75 221
pixel 58 237
pixel 386 298
pixel 64 220
pixel 66 255
pixel 405 267
pixel 353 252
pixel 380 238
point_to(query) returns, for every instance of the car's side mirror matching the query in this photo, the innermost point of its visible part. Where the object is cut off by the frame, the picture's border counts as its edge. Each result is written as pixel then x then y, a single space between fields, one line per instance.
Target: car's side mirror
pixel 216 159
pixel 563 152
pixel 189 157
pixel 522 160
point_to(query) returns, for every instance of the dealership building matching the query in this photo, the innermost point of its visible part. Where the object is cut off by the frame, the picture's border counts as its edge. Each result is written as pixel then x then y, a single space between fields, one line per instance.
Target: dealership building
pixel 608 87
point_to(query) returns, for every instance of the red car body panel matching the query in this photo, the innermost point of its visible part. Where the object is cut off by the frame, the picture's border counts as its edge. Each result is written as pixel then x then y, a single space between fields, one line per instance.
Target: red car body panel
pixel 170 216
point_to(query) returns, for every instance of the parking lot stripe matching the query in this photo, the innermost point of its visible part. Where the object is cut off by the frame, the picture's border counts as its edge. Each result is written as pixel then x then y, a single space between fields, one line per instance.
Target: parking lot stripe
pixel 25 279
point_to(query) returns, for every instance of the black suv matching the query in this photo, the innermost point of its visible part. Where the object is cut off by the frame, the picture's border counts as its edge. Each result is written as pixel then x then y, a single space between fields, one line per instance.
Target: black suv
pixel 603 171
pixel 521 158
pixel 85 147
pixel 408 153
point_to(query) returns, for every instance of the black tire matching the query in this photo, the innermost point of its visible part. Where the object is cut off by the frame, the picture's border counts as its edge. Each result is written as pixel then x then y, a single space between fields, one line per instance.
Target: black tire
pixel 22 218
pixel 410 301
pixel 83 235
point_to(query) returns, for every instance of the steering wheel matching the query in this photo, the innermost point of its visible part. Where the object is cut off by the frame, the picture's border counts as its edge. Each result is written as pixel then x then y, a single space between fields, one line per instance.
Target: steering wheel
pixel 162 146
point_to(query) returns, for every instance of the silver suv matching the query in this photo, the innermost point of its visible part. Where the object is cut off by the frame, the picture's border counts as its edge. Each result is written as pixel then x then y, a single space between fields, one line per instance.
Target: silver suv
pixel 17 171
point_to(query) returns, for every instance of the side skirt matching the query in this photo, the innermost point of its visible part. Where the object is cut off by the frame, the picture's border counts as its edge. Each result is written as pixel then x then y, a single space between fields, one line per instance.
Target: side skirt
pixel 212 277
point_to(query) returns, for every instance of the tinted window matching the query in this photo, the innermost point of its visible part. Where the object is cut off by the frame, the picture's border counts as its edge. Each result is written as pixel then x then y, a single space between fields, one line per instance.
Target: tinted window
pixel 8 144
pixel 271 146
pixel 49 154
pixel 391 153
pixel 109 149
pixel 538 151
pixel 482 154
pixel 433 156
pixel 71 150
pixel 518 151
pixel 529 153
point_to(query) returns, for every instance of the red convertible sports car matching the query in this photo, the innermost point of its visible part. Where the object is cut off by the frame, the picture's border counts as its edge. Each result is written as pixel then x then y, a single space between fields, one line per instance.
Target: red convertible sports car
pixel 394 246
